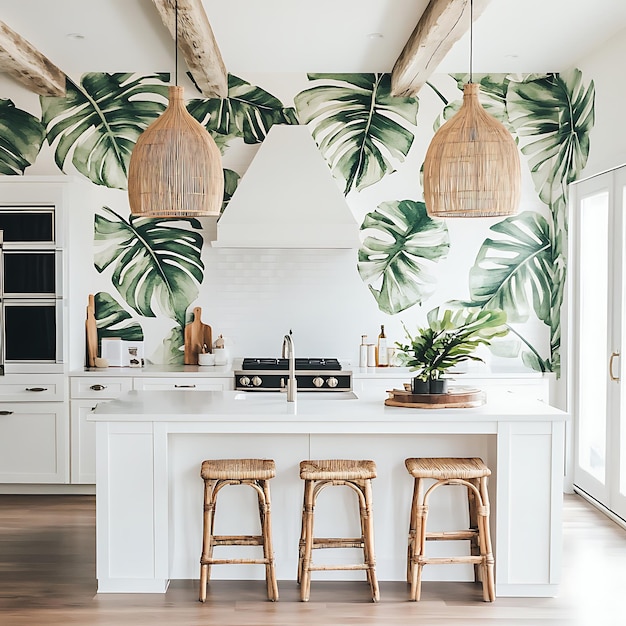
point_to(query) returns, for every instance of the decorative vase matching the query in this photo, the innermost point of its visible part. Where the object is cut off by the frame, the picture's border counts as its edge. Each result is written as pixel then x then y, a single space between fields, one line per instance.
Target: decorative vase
pixel 438 385
pixel 420 386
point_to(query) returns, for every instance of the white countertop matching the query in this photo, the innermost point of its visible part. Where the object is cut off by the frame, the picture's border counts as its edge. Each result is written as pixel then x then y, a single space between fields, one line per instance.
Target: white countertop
pixel 367 413
pixel 225 371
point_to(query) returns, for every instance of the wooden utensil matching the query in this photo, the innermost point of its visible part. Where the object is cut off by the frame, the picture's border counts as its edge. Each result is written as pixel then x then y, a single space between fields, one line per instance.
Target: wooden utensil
pixel 197 335
pixel 91 332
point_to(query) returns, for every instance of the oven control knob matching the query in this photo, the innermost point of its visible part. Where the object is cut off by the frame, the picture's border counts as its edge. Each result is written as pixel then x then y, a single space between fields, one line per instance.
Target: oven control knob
pixel 256 381
pixel 332 382
pixel 244 381
pixel 318 381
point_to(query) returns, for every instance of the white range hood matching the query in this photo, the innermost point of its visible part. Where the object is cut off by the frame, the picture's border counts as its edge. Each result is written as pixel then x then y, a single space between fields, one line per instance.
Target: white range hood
pixel 287 199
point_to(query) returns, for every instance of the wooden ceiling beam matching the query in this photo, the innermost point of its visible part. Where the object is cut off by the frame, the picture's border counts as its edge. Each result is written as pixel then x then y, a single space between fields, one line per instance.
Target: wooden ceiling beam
pixel 197 44
pixel 442 24
pixel 22 61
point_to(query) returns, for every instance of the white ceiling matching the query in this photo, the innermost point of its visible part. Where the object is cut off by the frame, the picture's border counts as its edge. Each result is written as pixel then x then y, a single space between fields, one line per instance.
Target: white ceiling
pixel 314 36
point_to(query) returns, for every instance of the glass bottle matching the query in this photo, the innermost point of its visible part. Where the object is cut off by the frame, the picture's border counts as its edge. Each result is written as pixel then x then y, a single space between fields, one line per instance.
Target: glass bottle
pixel 381 352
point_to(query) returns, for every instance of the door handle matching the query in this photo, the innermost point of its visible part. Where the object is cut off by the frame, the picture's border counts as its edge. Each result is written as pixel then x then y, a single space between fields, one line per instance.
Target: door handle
pixel 36 389
pixel 611 375
pixel 184 386
pixel 97 387
pixel 6 412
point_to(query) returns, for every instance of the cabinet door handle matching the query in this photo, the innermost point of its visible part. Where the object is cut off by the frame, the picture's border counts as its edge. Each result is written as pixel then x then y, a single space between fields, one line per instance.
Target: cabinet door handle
pixel 611 375
pixel 98 387
pixel 184 386
pixel 36 389
pixel 6 412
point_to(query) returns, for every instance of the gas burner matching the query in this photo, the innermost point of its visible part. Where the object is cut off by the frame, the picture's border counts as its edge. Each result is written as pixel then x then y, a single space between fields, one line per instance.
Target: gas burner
pixel 283 364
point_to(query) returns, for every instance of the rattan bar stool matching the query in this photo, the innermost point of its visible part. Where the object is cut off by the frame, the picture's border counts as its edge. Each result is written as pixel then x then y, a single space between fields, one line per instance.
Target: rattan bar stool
pixel 472 473
pixel 320 474
pixel 256 473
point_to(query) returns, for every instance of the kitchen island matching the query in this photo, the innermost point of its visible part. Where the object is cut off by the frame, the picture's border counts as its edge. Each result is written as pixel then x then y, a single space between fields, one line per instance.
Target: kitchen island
pixel 149 493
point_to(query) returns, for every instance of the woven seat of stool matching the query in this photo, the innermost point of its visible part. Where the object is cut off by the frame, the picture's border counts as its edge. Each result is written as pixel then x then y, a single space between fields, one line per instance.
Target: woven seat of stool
pixel 441 468
pixel 337 469
pixel 238 469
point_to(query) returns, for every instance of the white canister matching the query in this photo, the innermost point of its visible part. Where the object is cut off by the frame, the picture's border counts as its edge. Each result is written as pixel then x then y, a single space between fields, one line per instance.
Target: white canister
pixel 221 356
pixel 371 355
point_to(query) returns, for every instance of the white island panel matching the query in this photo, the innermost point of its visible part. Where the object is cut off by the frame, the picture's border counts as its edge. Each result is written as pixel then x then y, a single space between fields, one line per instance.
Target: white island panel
pixel 189 427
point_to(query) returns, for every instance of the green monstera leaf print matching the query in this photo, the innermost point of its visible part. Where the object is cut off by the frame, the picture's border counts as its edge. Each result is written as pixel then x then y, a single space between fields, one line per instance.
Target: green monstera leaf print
pixel 100 120
pixel 231 180
pixel 154 261
pixel 114 321
pixel 406 242
pixel 355 124
pixel 514 272
pixel 558 113
pixel 248 112
pixel 21 138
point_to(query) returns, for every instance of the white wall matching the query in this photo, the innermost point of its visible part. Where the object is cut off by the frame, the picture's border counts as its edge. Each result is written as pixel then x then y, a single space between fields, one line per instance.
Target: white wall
pixel 608 137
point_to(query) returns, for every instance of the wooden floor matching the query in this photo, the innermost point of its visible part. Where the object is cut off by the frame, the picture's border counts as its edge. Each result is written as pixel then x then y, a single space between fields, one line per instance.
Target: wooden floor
pixel 47 576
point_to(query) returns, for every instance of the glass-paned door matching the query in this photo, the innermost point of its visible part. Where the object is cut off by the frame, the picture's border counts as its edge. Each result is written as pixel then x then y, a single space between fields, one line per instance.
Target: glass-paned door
pixel 597 263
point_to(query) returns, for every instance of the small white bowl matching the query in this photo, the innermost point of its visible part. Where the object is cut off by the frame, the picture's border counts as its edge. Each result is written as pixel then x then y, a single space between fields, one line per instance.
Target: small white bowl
pixel 206 358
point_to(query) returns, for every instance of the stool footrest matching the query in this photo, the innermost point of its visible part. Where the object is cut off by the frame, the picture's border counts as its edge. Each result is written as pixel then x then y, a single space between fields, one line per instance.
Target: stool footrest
pixel 328 568
pixel 337 542
pixel 235 561
pixel 447 560
pixel 237 540
pixel 451 535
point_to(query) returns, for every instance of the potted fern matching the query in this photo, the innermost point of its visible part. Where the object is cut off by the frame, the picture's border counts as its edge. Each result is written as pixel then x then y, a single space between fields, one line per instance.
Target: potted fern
pixel 451 337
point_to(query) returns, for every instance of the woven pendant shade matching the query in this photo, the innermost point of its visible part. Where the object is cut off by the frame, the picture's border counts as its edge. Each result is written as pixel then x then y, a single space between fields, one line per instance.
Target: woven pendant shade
pixel 175 168
pixel 472 166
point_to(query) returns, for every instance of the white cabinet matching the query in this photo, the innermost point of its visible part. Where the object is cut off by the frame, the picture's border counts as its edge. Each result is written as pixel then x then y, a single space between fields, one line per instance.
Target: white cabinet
pixel 86 392
pixel 34 429
pixel 186 383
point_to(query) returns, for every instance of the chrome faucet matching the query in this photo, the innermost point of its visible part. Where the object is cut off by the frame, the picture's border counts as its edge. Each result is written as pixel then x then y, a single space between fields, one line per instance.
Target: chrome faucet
pixel 289 352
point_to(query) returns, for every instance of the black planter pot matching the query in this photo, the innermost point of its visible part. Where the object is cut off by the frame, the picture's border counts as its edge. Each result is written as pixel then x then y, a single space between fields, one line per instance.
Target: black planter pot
pixel 420 386
pixel 439 385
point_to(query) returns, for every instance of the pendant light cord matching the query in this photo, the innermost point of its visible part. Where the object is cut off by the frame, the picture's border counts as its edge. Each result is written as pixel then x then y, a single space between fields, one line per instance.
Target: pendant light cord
pixel 471 33
pixel 176 41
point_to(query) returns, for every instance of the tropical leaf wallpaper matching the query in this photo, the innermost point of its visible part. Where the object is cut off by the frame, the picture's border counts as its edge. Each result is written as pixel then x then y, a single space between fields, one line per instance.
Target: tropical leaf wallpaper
pixel 374 144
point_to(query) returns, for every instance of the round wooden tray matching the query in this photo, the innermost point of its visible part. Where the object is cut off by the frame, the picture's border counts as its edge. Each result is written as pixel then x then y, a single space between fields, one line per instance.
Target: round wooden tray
pixel 455 398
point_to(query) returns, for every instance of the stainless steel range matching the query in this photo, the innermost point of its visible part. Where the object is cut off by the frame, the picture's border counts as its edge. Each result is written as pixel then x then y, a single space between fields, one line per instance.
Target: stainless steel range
pixel 311 375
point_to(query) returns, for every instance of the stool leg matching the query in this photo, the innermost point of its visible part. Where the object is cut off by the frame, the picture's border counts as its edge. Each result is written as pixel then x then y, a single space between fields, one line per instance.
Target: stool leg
pixel 266 531
pixel 207 535
pixel 411 548
pixel 489 592
pixel 367 526
pixel 301 543
pixel 417 539
pixel 419 547
pixel 307 526
pixel 473 525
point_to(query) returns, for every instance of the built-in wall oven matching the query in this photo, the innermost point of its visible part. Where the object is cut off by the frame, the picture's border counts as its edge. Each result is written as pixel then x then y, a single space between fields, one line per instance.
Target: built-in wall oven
pixel 31 288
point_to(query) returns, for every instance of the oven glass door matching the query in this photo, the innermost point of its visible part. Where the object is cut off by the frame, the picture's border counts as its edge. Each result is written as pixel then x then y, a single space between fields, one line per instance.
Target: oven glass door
pixel 30 330
pixel 27 224
pixel 30 272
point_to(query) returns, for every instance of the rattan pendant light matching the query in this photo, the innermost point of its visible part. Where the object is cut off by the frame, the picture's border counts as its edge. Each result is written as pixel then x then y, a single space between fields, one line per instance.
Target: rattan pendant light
pixel 472 166
pixel 175 168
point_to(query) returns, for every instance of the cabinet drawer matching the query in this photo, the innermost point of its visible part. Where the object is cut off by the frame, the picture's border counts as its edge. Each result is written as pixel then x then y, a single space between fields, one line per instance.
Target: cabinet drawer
pixel 26 388
pixel 99 387
pixel 197 384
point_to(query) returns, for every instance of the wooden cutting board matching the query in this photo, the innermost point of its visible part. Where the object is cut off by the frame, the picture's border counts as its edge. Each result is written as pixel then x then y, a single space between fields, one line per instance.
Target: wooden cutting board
pixel 456 398
pixel 197 335
pixel 91 333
